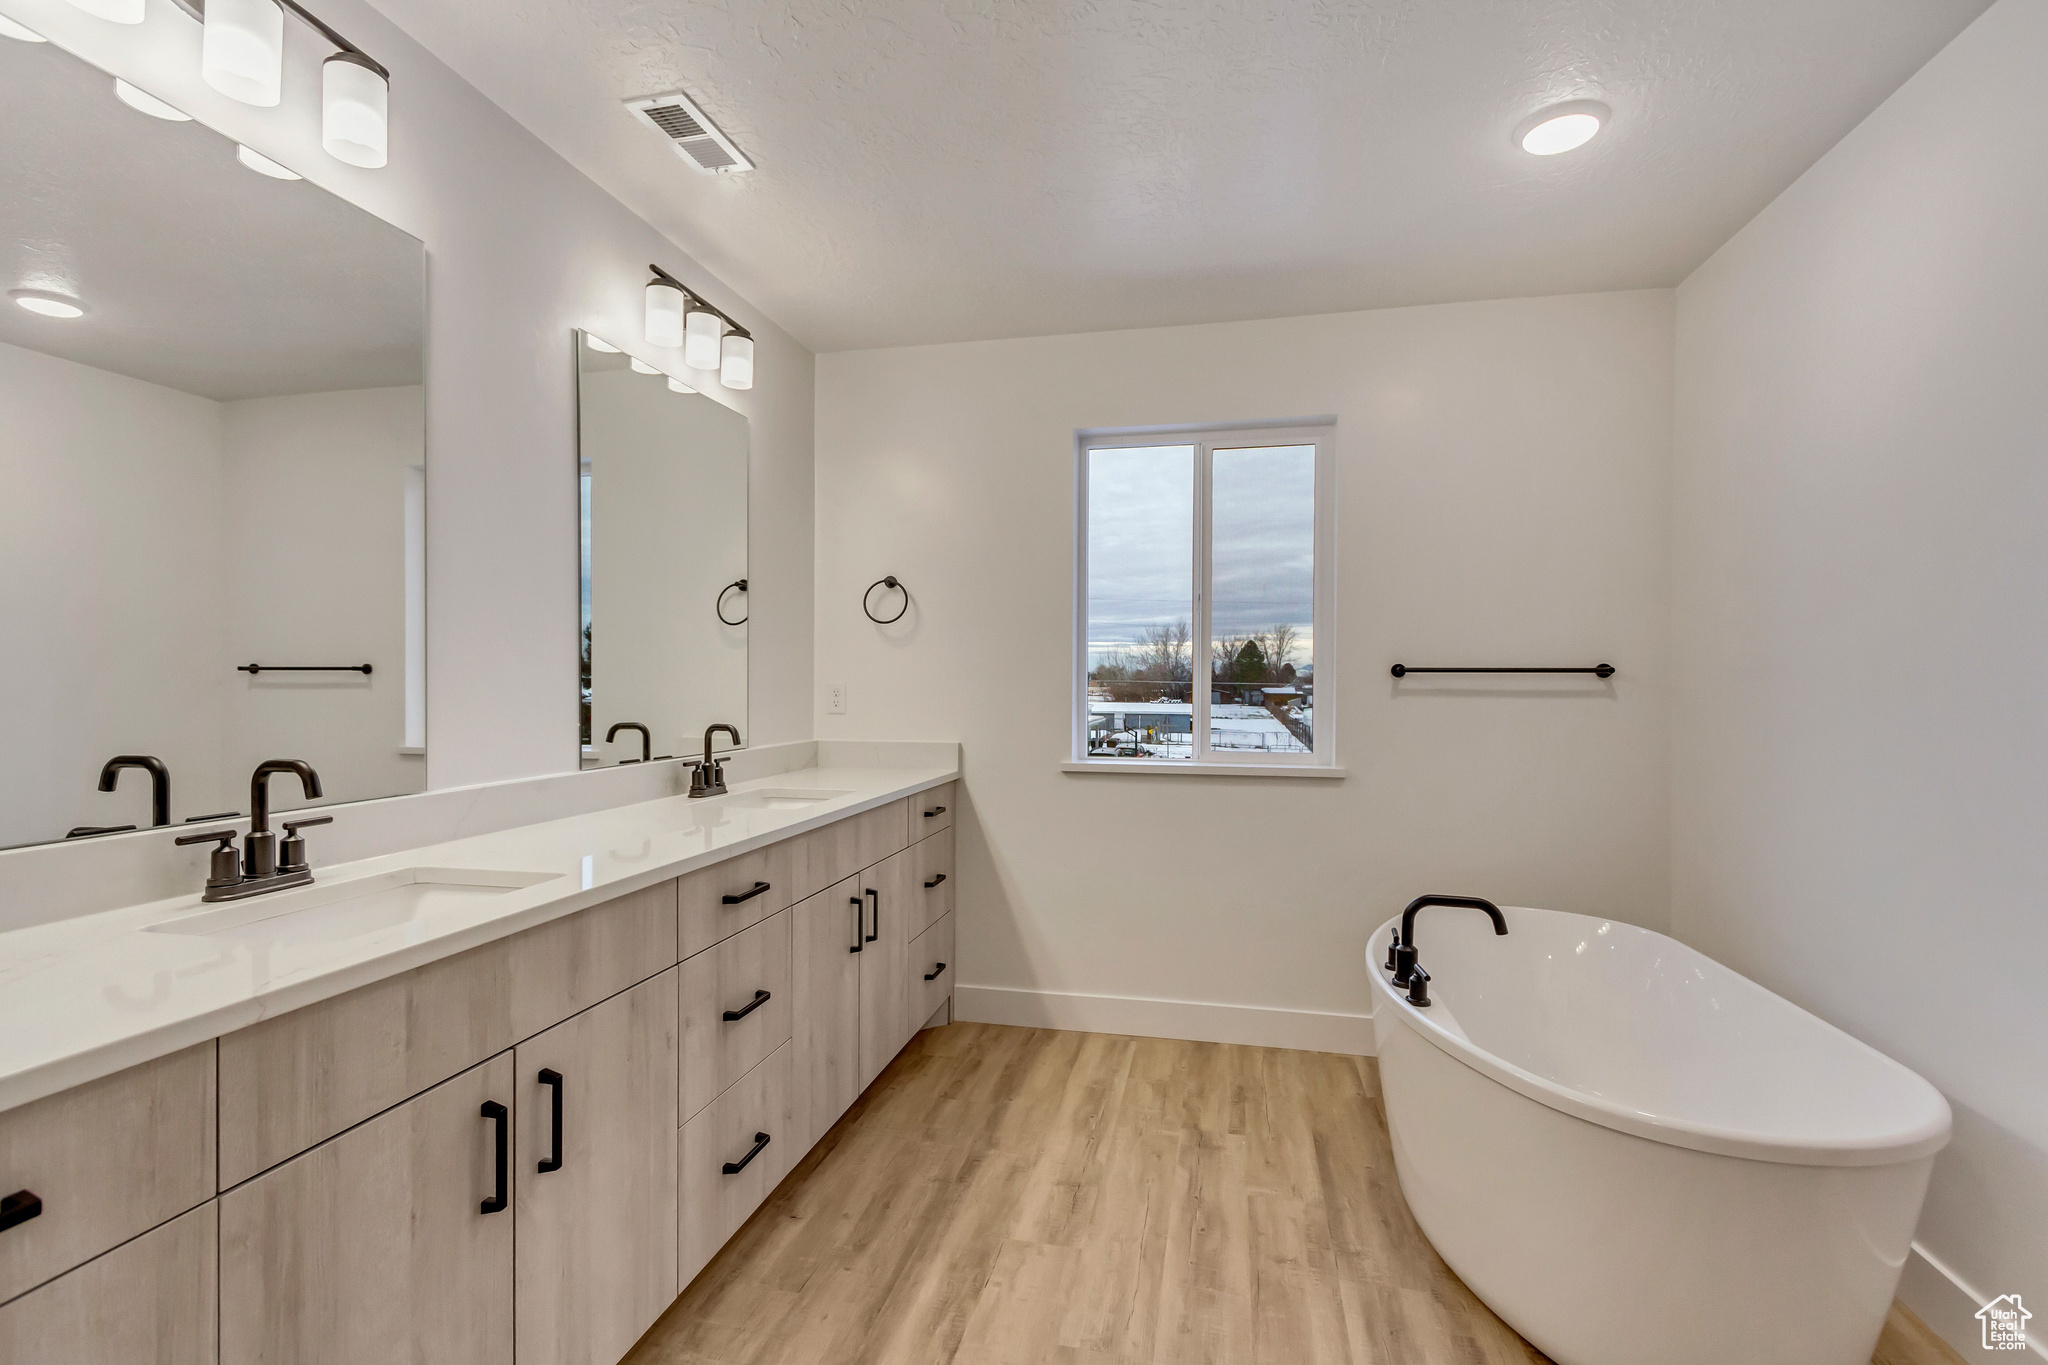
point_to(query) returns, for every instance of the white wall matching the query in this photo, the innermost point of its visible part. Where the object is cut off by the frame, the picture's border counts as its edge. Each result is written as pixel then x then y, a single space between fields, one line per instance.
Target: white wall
pixel 1861 621
pixel 521 250
pixel 1503 499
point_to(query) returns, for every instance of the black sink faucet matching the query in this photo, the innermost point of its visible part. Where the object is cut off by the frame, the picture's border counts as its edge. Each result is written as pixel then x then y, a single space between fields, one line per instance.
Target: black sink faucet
pixel 646 740
pixel 159 782
pixel 259 846
pixel 707 776
pixel 1401 958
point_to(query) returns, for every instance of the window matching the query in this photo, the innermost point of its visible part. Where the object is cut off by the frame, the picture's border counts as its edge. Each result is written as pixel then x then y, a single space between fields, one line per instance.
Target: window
pixel 1203 598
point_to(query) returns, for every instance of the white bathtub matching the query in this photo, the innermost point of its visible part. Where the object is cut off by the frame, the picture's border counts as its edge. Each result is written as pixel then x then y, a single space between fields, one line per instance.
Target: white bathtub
pixel 1634 1155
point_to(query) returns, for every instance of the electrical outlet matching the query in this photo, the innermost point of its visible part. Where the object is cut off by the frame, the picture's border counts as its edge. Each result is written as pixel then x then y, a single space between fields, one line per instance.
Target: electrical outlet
pixel 835 699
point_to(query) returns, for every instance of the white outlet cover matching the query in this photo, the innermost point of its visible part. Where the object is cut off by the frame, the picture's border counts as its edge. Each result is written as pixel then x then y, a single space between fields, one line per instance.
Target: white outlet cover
pixel 835 699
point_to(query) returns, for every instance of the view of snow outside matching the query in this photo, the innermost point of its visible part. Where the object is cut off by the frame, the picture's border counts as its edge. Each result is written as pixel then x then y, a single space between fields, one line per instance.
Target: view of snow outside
pixel 1261 652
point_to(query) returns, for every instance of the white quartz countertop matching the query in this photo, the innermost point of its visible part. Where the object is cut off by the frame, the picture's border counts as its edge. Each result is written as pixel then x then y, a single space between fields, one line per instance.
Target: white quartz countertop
pixel 82 998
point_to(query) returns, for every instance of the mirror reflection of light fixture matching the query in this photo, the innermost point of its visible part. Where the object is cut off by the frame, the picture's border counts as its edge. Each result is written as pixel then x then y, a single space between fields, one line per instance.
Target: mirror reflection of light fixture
pixel 119 11
pixel 355 110
pixel 666 301
pixel 598 343
pixel 241 53
pixel 47 303
pixel 676 385
pixel 701 331
pixel 21 33
pixel 263 165
pixel 642 367
pixel 736 369
pixel 142 102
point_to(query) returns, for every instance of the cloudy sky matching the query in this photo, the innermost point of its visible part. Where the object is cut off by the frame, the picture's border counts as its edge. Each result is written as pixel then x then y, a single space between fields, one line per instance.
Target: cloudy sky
pixel 1141 539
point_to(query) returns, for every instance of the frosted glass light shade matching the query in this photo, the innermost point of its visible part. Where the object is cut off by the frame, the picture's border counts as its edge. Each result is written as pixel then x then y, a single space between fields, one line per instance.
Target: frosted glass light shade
pixel 355 111
pixel 676 385
pixel 119 11
pixel 642 367
pixel 664 314
pixel 241 53
pixel 142 102
pixel 702 329
pixel 263 165
pixel 737 370
pixel 19 32
pixel 599 344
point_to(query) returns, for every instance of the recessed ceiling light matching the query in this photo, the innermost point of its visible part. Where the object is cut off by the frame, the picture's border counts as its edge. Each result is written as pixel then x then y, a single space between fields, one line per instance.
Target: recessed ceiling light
pixel 19 32
pixel 263 165
pixel 48 304
pixel 598 343
pixel 145 103
pixel 1562 127
pixel 642 367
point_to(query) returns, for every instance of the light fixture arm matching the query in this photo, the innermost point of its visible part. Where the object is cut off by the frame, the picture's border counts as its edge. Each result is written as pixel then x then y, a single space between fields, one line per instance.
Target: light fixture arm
pixel 695 299
pixel 197 9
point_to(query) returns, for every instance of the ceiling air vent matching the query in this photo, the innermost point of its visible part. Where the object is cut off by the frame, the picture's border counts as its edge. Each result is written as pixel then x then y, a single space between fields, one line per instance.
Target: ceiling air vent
pixel 696 140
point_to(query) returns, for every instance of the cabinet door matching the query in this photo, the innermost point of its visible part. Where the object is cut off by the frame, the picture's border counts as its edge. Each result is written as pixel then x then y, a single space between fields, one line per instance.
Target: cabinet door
pixel 931 964
pixel 825 955
pixel 729 979
pixel 146 1302
pixel 934 866
pixel 597 1215
pixel 375 1246
pixel 732 1155
pixel 895 917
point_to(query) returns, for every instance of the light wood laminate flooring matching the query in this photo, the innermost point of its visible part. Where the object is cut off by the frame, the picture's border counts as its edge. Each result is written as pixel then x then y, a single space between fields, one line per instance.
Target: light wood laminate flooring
pixel 1009 1196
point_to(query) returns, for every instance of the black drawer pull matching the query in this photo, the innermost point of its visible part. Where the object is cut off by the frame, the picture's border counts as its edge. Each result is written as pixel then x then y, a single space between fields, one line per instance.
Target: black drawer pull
pixel 553 1080
pixel 859 923
pixel 935 881
pixel 876 897
pixel 735 1167
pixel 18 1208
pixel 760 998
pixel 746 896
pixel 498 1114
pixel 936 810
pixel 933 974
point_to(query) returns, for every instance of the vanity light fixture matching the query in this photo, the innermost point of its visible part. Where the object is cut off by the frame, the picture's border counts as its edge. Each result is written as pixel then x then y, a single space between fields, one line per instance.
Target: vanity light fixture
pixel 115 11
pixel 731 346
pixel 241 51
pixel 676 385
pixel 599 344
pixel 355 109
pixel 49 304
pixel 736 368
pixel 1562 127
pixel 666 301
pixel 263 165
pixel 241 54
pixel 642 367
pixel 145 103
pixel 21 33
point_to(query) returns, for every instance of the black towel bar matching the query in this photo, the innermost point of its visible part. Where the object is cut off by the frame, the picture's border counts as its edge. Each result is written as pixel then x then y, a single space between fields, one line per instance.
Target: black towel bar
pixel 1598 670
pixel 363 669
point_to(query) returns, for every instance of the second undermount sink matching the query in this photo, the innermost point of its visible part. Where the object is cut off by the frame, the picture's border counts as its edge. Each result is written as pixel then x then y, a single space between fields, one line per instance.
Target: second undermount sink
pixel 784 798
pixel 328 912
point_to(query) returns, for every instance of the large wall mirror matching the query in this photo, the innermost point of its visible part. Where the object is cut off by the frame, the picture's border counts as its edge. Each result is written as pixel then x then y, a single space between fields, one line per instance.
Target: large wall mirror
pixel 212 460
pixel 662 486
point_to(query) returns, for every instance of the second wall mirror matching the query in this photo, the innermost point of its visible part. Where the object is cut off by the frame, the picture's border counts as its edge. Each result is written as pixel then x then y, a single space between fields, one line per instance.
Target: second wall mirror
pixel 662 498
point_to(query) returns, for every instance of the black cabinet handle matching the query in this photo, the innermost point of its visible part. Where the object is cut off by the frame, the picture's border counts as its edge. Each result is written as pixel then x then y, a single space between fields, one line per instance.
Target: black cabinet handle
pixel 936 810
pixel 18 1208
pixel 498 1114
pixel 760 998
pixel 933 974
pixel 876 897
pixel 859 922
pixel 746 896
pixel 935 881
pixel 553 1080
pixel 735 1167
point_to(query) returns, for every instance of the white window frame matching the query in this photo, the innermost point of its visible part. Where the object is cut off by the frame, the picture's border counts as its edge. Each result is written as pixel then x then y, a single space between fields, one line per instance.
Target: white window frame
pixel 1206 440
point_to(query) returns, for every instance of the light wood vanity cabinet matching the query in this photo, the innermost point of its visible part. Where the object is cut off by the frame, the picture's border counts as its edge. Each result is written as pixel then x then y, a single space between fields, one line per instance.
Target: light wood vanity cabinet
pixel 733 1154
pixel 735 1009
pixel 824 980
pixel 895 916
pixel 931 969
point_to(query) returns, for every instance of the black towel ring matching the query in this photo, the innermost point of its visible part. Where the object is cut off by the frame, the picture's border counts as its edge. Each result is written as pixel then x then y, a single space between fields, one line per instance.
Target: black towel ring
pixel 888 581
pixel 739 583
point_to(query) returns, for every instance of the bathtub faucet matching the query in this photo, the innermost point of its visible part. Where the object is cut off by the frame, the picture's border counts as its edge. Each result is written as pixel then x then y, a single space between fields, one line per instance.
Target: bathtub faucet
pixel 1401 957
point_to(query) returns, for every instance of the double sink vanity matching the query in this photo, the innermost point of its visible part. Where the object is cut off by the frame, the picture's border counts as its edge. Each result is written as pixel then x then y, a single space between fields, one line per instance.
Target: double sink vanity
pixel 491 1100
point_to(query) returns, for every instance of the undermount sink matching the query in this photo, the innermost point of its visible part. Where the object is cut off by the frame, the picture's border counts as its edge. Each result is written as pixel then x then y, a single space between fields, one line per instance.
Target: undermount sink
pixel 783 798
pixel 348 909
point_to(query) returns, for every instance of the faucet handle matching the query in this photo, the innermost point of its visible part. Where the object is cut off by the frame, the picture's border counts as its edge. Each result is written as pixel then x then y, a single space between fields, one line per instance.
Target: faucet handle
pixel 225 867
pixel 292 827
pixel 226 837
pixel 291 854
pixel 1418 987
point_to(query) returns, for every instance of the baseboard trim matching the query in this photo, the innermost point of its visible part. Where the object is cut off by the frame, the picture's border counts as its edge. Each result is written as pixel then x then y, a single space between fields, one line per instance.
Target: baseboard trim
pixel 1948 1303
pixel 1195 1021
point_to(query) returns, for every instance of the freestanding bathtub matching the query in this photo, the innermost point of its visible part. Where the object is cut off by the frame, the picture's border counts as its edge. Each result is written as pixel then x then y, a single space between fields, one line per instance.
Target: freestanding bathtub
pixel 1634 1155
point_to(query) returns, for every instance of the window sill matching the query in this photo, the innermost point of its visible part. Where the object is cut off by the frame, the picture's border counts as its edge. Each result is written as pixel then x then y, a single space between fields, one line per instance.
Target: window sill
pixel 1183 768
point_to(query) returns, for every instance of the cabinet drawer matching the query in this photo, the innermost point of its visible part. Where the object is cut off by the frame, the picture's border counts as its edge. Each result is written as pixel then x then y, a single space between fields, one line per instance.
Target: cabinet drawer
pixel 716 1201
pixel 932 811
pixel 721 900
pixel 839 850
pixel 931 959
pixel 150 1302
pixel 932 862
pixel 296 1080
pixel 717 1051
pixel 108 1160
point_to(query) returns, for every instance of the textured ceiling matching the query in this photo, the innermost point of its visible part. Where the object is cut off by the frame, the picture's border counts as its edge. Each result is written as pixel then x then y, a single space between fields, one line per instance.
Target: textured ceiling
pixel 939 170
